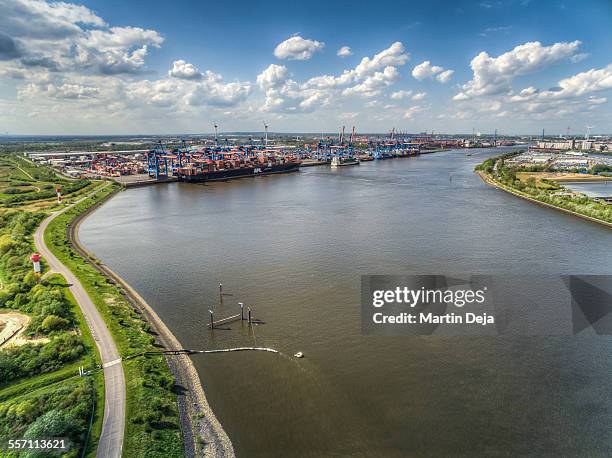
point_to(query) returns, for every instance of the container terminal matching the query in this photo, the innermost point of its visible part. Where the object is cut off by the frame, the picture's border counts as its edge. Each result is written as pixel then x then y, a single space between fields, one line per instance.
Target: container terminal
pixel 212 158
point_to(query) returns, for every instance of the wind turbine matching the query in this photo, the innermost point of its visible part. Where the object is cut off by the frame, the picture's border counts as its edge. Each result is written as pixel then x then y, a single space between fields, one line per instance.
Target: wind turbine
pixel 266 130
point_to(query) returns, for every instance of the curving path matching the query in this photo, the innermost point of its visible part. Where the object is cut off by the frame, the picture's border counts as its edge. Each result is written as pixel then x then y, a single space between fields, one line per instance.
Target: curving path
pixel 111 439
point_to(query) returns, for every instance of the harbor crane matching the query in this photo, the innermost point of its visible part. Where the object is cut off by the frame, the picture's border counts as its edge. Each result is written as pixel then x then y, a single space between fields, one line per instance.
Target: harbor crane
pixel 587 135
pixel 352 137
pixel 216 133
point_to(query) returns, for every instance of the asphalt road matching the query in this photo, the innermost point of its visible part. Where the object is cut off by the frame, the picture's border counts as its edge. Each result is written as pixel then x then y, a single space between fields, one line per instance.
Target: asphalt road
pixel 111 440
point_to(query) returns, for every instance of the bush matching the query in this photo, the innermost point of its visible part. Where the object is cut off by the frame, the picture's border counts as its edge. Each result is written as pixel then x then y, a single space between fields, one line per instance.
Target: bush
pixel 54 323
pixel 54 423
pixel 35 359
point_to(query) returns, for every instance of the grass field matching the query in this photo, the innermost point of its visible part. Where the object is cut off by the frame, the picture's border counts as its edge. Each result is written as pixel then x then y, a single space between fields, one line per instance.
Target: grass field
pixel 24 183
pixel 27 194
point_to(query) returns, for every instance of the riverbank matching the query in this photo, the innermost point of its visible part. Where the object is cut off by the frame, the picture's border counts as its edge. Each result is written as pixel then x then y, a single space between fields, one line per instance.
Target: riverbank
pixel 203 434
pixel 491 181
pixel 152 421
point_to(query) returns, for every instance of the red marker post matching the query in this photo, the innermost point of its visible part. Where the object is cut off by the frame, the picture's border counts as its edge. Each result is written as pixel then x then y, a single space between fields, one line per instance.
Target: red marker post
pixel 35 258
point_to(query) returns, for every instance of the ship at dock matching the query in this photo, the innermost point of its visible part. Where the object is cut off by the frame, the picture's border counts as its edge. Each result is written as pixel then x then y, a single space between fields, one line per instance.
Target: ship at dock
pixel 237 167
pixel 338 161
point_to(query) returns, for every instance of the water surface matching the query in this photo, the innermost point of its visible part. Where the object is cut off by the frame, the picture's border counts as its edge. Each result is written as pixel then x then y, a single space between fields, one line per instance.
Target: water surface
pixel 591 189
pixel 293 248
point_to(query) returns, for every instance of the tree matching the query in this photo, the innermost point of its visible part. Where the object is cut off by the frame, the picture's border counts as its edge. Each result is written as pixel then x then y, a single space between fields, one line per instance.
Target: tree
pixel 54 423
pixel 54 323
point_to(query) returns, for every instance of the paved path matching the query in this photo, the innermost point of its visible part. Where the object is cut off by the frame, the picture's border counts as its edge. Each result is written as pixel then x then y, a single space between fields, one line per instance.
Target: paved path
pixel 111 440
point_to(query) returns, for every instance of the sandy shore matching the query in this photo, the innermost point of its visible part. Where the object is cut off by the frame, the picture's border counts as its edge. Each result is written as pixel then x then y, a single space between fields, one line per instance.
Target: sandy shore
pixel 12 325
pixel 203 434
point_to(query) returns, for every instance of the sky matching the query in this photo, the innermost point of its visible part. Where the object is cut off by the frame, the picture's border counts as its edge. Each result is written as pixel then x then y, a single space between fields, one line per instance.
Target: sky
pixel 159 67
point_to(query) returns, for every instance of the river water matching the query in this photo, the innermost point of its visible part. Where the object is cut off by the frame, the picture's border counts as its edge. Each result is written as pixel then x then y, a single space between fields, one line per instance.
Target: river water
pixel 293 248
pixel 591 189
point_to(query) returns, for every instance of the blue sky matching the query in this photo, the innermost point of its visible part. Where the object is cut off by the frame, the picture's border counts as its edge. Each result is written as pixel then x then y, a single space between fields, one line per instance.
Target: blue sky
pixel 175 67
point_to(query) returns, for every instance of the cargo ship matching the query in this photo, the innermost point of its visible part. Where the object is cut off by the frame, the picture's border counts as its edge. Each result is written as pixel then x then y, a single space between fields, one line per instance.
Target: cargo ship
pixel 222 170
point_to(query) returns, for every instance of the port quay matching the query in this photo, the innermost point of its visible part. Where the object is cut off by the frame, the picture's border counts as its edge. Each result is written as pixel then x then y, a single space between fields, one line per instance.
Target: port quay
pixel 209 158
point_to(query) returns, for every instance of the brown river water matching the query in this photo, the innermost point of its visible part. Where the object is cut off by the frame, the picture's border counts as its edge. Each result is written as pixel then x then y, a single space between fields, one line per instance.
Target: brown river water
pixel 293 248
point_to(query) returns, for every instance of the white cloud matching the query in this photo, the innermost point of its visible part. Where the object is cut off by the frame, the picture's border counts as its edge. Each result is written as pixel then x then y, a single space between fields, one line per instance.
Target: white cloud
pixel 297 48
pixel 212 91
pixel 184 70
pixel 368 79
pixel 445 76
pixel 493 75
pixel 490 30
pixel 583 83
pixel 344 51
pixel 596 100
pixel 419 96
pixel 400 95
pixel 524 95
pixel 394 55
pixel 373 84
pixel 39 19
pixel 69 91
pixel 427 71
pixel 285 95
pixel 579 57
pixel 71 38
pixel 412 111
pixel 272 77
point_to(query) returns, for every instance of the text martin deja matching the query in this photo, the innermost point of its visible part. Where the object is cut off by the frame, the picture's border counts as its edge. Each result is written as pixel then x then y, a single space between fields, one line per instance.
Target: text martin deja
pixel 412 297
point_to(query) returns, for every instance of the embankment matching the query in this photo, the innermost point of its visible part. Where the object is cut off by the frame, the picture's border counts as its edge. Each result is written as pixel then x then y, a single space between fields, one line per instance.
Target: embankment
pixel 487 179
pixel 203 434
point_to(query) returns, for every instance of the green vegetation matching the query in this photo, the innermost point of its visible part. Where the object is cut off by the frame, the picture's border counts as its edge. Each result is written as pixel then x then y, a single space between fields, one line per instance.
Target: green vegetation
pixel 152 428
pixel 61 410
pixel 22 181
pixel 37 379
pixel 33 359
pixel 40 390
pixel 544 190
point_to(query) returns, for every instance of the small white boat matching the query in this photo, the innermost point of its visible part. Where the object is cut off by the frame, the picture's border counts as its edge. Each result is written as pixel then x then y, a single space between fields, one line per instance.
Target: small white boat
pixel 299 354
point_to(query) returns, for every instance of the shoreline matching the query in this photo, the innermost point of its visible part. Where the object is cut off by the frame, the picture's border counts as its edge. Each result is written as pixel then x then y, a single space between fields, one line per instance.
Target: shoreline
pixel 491 182
pixel 203 434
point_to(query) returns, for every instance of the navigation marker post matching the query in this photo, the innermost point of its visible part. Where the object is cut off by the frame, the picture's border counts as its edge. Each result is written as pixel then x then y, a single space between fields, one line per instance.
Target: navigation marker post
pixel 35 258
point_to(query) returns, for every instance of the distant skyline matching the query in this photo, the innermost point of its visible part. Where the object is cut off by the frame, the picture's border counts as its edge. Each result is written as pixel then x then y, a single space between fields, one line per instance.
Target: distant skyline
pixel 116 67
